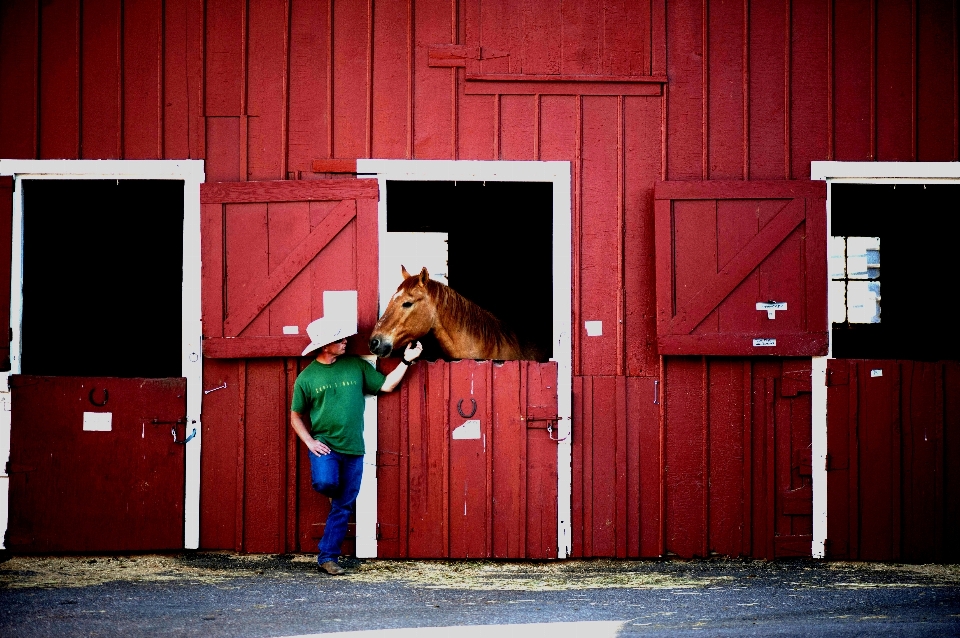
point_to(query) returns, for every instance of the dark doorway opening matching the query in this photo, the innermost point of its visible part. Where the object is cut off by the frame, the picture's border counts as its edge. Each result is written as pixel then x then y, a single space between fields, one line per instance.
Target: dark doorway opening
pixel 917 251
pixel 500 245
pixel 102 278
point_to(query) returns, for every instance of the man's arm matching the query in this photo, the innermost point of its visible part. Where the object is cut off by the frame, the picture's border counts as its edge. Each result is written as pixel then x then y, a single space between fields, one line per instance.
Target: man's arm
pixel 409 356
pixel 300 427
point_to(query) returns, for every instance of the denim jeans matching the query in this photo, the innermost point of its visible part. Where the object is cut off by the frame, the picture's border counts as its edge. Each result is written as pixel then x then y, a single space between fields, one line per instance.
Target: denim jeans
pixel 337 476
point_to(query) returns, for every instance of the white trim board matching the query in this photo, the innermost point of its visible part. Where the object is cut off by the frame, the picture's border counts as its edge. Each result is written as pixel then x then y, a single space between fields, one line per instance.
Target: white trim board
pixel 865 173
pixel 192 175
pixel 558 173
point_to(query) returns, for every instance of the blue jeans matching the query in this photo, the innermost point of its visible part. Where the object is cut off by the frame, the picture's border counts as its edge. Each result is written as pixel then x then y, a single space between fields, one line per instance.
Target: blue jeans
pixel 337 476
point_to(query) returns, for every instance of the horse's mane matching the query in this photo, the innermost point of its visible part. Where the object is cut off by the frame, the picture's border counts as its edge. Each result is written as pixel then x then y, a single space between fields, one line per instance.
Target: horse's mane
pixel 471 317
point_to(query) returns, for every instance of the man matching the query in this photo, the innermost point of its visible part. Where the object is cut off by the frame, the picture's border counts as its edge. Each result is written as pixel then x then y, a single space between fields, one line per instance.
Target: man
pixel 327 415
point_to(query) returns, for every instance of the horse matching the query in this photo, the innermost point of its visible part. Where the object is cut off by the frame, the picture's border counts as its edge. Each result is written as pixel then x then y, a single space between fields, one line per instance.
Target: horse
pixel 462 329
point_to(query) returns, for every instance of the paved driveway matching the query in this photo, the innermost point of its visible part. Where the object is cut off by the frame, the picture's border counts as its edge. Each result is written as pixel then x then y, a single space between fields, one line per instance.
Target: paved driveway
pixel 217 594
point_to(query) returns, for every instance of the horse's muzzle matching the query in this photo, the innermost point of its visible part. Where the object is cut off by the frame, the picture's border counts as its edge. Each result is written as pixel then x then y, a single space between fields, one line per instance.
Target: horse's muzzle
pixel 380 347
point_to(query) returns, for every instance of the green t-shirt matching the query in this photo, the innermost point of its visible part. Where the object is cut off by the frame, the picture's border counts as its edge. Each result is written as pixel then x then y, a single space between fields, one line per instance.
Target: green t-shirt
pixel 332 396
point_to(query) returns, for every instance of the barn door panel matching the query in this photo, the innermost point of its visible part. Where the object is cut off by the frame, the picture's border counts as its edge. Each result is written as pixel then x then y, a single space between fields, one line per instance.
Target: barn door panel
pixel 741 268
pixel 270 250
pixel 114 479
pixel 467 462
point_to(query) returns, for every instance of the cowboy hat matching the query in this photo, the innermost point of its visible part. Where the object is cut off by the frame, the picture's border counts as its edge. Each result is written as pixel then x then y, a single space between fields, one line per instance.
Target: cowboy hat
pixel 326 330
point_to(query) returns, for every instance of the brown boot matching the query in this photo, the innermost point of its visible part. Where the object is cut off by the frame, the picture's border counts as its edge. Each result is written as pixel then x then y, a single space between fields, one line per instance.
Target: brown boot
pixel 331 567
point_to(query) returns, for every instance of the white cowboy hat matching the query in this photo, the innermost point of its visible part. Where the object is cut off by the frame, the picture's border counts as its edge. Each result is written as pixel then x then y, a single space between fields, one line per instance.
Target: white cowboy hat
pixel 327 330
pixel 339 320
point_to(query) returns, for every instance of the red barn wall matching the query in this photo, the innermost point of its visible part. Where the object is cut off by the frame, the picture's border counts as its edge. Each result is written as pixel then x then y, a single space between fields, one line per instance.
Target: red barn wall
pixel 260 89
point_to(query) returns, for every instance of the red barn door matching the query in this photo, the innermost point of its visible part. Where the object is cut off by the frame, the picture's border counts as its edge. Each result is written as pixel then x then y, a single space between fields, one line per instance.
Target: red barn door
pixel 467 462
pixel 270 250
pixel 741 268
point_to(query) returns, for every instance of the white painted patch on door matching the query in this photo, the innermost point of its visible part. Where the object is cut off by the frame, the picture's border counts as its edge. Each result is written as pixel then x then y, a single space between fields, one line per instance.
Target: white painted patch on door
pixel 469 430
pixel 98 421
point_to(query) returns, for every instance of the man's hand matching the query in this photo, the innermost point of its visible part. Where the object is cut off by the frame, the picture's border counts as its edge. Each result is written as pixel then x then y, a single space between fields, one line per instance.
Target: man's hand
pixel 318 447
pixel 412 352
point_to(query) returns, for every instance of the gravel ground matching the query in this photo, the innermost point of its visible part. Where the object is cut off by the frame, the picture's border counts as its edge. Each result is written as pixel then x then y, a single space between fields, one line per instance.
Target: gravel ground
pixel 223 594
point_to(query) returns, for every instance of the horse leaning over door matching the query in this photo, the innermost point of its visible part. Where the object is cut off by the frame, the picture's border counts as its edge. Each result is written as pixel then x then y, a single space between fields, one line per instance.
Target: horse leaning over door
pixel 463 329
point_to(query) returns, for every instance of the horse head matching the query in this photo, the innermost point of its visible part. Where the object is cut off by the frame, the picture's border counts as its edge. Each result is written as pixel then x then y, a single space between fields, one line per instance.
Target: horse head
pixel 409 315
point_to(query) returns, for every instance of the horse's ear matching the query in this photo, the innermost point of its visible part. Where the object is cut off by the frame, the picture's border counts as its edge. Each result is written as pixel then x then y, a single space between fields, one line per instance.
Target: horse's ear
pixel 403 270
pixel 424 276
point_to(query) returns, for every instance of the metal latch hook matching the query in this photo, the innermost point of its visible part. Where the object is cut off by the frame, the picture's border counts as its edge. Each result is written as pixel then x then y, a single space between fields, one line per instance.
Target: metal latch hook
pixel 173 431
pixel 460 408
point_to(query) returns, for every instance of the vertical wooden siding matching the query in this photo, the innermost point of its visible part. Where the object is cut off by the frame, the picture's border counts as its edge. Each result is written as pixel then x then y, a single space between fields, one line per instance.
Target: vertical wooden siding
pixel 755 91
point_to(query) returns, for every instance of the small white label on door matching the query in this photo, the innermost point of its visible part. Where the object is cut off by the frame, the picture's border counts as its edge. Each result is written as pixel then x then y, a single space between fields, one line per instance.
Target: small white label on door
pixel 98 421
pixel 291 330
pixel 759 343
pixel 876 373
pixel 469 430
pixel 594 328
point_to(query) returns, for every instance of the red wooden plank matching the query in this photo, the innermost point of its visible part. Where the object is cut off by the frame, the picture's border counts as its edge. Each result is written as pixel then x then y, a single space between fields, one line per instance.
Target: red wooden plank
pixel 334 166
pixel 581 37
pixel 267 88
pixel 641 158
pixel 601 239
pixel 651 465
pixel 500 25
pixel 246 252
pixel 389 486
pixel 683 462
pixel 101 120
pixel 879 460
pixel 754 189
pixel 288 191
pixel 726 415
pixel 182 78
pixel 19 44
pixel 368 266
pixel 224 49
pixel 809 85
pixel 143 80
pixel 580 478
pixel 469 515
pixel 540 485
pixel 253 347
pixel 59 119
pixel 951 455
pixel 896 81
pixel 309 71
pixel 222 161
pixel 427 470
pixel 853 80
pixel 265 467
pixel 767 91
pixel 922 474
pixel 519 117
pixel 738 221
pixel 936 69
pixel 626 34
pixel 809 344
pixel 351 66
pixel 726 143
pixel 212 270
pixel 434 91
pixel 218 464
pixel 254 300
pixel 508 515
pixel 621 466
pixel 685 108
pixel 391 80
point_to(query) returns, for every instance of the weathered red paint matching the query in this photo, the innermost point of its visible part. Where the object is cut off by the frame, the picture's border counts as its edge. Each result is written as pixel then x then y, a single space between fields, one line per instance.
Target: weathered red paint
pixel 73 490
pixel 716 91
pixel 892 446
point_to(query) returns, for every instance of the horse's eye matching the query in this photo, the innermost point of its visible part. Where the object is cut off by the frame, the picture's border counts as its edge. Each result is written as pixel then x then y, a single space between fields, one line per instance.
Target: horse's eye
pixel 407 304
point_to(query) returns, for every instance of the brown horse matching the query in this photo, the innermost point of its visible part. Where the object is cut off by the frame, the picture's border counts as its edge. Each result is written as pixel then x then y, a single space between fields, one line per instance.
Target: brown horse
pixel 462 329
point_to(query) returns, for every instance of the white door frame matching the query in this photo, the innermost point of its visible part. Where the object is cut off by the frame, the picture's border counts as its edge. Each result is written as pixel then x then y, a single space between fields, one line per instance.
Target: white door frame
pixel 190 172
pixel 557 173
pixel 857 173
